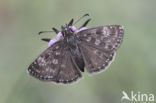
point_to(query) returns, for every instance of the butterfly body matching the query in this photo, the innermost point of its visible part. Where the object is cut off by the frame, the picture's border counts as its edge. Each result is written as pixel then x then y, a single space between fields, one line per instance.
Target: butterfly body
pixel 72 45
pixel 91 49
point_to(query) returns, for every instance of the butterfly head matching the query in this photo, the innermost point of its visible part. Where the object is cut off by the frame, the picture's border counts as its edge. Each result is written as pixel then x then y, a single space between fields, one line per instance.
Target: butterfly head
pixel 67 30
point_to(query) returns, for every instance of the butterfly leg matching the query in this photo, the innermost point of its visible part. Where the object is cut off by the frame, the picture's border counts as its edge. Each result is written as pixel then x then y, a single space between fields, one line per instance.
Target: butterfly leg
pixel 55 30
pixel 41 32
pixel 71 22
pixel 85 23
pixel 46 39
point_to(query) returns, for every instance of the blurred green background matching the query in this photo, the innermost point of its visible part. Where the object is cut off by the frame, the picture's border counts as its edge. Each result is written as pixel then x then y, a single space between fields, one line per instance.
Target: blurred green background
pixel 134 68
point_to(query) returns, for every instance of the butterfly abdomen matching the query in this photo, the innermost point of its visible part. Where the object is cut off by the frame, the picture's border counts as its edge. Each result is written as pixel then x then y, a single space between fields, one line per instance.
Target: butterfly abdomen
pixel 75 52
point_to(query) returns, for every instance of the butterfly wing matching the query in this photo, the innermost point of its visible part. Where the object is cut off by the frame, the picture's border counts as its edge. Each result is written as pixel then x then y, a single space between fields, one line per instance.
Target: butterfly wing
pixel 55 64
pixel 98 46
pixel 106 38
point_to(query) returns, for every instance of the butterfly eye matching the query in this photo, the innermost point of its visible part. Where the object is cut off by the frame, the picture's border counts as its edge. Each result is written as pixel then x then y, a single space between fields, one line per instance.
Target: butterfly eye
pixel 73 28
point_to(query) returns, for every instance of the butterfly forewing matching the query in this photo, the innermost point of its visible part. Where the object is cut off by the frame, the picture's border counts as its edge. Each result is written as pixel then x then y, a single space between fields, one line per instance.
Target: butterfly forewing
pixel 107 38
pixel 54 64
pixel 98 46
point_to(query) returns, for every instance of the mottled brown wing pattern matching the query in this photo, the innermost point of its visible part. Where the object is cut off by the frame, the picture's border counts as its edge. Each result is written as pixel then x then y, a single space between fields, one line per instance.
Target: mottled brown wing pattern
pixel 68 72
pixel 95 59
pixel 55 64
pixel 98 46
pixel 106 38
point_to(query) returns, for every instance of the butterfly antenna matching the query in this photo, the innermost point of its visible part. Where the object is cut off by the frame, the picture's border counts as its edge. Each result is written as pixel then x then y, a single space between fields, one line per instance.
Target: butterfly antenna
pixel 81 18
pixel 54 30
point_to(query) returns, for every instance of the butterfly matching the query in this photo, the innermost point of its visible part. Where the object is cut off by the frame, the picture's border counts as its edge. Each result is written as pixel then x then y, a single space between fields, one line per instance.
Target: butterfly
pixel 76 51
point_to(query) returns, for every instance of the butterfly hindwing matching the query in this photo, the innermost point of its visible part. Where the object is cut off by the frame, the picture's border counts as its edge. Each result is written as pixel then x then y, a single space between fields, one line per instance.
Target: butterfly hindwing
pixel 55 64
pixel 69 71
pixel 95 59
